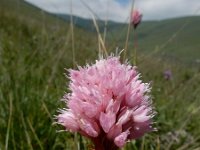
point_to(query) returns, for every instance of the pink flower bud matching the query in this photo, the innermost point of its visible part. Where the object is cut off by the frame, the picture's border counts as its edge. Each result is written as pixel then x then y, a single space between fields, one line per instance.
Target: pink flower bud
pixel 136 18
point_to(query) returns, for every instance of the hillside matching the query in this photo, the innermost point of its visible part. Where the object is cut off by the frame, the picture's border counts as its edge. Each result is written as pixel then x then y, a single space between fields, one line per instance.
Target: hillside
pixel 175 39
pixel 35 47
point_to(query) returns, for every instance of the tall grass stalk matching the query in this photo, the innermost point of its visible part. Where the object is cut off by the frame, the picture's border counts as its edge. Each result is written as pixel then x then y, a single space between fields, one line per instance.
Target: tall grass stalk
pixel 101 42
pixel 128 31
pixel 35 134
pixel 72 33
pixel 26 131
pixel 9 120
pixel 106 22
pixel 77 142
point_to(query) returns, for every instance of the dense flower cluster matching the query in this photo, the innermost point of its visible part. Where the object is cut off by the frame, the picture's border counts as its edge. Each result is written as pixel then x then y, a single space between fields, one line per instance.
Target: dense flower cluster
pixel 108 103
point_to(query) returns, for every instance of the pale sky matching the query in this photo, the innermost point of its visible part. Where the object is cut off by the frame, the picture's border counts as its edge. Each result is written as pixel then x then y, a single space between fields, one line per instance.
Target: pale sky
pixel 119 10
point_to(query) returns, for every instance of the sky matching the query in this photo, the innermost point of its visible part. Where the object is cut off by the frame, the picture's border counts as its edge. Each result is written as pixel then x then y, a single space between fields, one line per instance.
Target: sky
pixel 119 10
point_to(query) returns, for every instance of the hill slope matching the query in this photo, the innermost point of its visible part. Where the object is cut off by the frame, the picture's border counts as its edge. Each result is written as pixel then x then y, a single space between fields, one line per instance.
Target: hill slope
pixel 175 39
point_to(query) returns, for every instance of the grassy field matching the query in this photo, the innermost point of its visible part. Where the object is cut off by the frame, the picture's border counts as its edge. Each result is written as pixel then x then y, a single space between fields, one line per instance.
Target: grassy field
pixel 34 50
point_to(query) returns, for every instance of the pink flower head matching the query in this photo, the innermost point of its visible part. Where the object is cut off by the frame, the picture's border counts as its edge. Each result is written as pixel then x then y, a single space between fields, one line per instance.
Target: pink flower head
pixel 136 18
pixel 108 103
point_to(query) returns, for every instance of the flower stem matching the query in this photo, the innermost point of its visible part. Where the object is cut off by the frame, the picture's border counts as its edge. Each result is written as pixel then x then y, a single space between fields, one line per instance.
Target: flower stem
pixel 135 46
pixel 102 143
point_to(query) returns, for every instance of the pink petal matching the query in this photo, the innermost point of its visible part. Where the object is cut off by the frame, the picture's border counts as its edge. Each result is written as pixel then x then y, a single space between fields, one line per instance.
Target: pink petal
pixel 114 131
pixel 89 109
pixel 141 117
pixel 125 117
pixel 89 128
pixel 113 106
pixel 121 139
pixel 68 120
pixel 74 105
pixel 107 121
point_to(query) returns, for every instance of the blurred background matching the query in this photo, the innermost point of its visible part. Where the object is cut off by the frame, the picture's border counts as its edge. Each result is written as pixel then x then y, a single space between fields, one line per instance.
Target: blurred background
pixel 39 38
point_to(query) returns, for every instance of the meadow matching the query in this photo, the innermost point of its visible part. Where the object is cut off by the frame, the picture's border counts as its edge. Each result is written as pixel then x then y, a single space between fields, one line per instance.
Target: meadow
pixel 35 47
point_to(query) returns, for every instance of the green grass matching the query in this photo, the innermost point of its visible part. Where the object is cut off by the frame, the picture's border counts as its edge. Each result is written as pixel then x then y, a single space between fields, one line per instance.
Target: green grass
pixel 33 55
